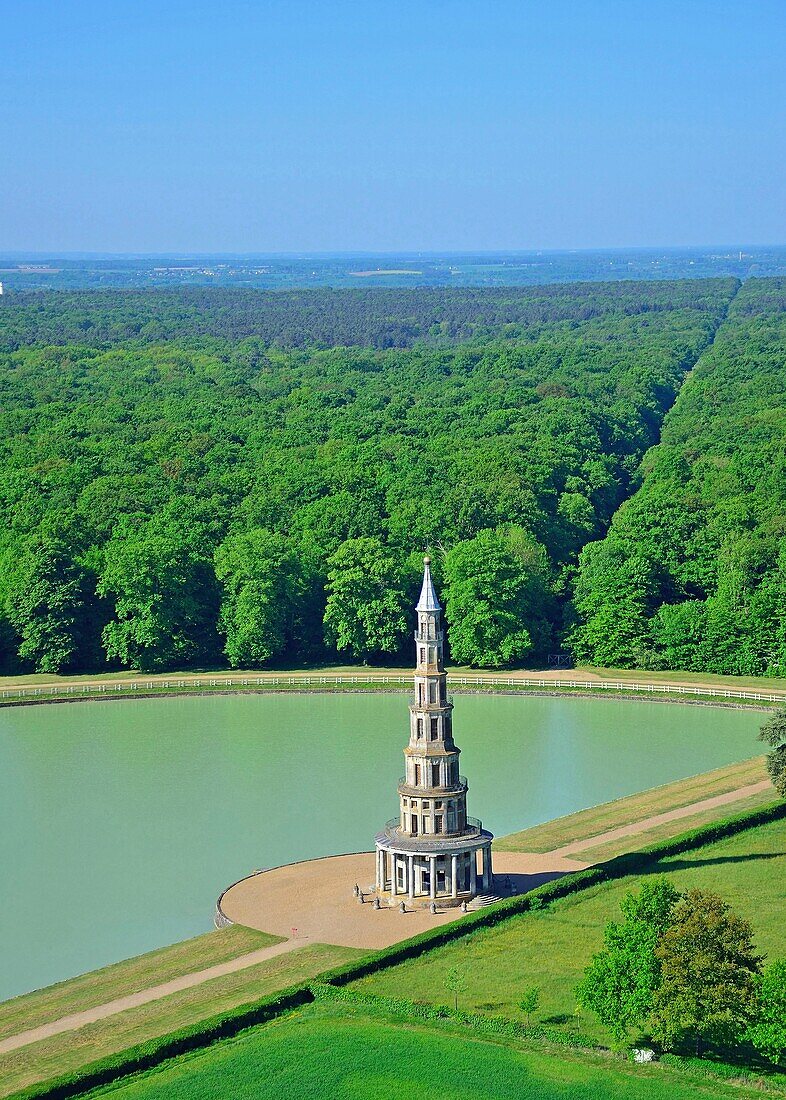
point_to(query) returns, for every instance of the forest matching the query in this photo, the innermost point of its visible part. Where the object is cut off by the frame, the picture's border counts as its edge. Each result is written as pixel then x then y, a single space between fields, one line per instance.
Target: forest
pixel 692 572
pixel 198 477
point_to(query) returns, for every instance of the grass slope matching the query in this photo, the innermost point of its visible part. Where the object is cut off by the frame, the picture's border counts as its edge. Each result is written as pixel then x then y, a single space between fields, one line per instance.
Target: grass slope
pixel 551 948
pixel 324 1052
pixel 71 1050
pixel 623 811
pixel 99 986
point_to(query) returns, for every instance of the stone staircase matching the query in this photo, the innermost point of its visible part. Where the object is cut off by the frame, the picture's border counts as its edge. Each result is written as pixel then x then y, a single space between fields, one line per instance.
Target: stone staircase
pixel 480 901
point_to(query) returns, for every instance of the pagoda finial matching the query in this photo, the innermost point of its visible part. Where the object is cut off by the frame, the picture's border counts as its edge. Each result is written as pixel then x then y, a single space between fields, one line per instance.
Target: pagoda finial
pixel 428 597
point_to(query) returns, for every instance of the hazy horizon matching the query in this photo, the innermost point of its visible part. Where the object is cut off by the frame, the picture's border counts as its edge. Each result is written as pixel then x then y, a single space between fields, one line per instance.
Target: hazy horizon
pixel 310 129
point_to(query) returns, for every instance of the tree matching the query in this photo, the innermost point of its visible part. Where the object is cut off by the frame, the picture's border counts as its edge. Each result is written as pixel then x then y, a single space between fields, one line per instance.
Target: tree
pixel 530 1001
pixel 263 590
pixel 708 987
pixel 365 613
pixel 768 1033
pixel 455 983
pixel 773 732
pixel 166 599
pixel 614 593
pixel 497 598
pixel 620 981
pixel 49 603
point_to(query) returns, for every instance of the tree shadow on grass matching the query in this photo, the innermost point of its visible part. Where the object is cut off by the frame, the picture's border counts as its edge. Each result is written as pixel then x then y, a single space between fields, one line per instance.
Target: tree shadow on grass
pixel 716 861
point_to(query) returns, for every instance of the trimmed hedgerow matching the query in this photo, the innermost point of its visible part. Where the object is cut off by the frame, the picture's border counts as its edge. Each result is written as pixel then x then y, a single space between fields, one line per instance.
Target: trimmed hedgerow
pixel 151 1053
pixel 205 1032
pixel 484 1024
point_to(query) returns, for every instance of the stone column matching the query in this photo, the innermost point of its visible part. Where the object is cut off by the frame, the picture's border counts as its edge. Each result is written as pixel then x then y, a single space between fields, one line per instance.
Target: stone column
pixel 486 868
pixel 411 875
pixel 473 873
pixel 393 874
pixel 454 876
pixel 433 877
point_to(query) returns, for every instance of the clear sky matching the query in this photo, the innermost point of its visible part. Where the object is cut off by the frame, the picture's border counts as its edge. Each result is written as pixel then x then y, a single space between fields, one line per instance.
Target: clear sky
pixel 338 125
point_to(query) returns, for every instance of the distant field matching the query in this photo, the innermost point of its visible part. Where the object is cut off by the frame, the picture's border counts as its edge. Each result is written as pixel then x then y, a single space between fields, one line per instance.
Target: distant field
pixel 321 1053
pixel 551 948
pixel 392 271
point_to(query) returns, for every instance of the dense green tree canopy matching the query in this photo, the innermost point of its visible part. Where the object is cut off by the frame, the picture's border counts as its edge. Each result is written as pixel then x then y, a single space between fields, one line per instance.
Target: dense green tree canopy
pixel 708 989
pixel 498 598
pixel 692 573
pixel 149 433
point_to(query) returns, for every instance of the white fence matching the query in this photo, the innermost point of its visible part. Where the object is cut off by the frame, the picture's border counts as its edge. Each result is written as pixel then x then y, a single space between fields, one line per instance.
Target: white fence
pixel 109 689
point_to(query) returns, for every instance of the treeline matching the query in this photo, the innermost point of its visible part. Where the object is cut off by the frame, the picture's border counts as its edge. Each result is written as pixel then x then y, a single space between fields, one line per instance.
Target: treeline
pixel 323 317
pixel 206 499
pixel 692 573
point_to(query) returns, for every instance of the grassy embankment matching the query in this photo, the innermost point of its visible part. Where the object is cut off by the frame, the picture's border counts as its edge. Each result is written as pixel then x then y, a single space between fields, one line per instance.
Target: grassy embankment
pixel 73 1049
pixel 551 948
pixel 324 1051
pixel 622 812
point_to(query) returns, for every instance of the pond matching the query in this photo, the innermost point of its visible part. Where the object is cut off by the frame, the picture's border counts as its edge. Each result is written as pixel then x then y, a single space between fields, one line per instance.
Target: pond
pixel 121 822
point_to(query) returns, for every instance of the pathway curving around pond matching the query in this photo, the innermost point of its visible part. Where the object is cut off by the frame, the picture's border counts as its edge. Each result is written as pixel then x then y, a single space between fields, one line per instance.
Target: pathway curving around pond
pixel 313 902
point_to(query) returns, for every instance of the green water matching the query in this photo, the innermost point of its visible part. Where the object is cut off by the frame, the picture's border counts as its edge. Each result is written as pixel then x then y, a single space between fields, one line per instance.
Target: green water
pixel 121 822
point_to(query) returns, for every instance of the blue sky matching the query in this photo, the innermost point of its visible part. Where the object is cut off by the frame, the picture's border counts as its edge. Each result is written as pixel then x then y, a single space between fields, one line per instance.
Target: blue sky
pixel 432 124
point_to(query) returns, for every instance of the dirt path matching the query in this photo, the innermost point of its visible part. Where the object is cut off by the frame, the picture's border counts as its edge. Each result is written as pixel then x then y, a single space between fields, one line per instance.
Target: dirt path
pixel 56 687
pixel 144 996
pixel 647 823
pixel 312 902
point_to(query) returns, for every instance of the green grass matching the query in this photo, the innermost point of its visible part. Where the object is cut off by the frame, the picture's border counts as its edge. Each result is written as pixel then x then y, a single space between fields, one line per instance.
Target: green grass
pixel 551 948
pixel 324 1052
pixel 72 1050
pixel 636 807
pixel 99 986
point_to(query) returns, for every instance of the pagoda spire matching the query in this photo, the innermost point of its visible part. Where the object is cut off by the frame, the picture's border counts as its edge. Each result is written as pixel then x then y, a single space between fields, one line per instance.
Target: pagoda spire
pixel 428 597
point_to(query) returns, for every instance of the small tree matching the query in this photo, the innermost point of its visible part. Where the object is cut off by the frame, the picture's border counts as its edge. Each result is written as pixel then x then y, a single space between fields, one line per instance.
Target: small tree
pixel 773 732
pixel 619 983
pixel 530 1001
pixel 708 987
pixel 455 983
pixel 768 1034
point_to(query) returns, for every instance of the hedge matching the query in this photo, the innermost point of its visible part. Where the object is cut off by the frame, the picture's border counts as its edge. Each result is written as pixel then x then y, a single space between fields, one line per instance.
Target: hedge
pixel 485 1024
pixel 147 1055
pixel 202 1034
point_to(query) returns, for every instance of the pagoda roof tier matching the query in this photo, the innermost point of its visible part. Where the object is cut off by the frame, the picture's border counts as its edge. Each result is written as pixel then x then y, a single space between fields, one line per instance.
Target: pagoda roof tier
pixel 393 840
pixel 433 792
pixel 431 748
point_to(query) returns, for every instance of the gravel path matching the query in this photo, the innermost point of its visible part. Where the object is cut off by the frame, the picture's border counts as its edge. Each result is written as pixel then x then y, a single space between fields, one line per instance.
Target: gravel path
pixel 144 996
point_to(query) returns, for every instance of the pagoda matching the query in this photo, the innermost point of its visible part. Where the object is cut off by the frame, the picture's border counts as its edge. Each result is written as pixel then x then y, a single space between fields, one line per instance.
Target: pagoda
pixel 432 850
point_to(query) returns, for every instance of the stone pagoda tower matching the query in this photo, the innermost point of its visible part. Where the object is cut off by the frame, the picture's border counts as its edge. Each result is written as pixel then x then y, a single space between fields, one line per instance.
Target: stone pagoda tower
pixel 430 851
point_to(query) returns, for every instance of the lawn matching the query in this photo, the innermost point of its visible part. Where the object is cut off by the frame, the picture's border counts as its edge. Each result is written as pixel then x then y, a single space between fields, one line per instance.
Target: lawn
pixel 99 986
pixel 322 1052
pixel 636 807
pixel 72 1050
pixel 551 948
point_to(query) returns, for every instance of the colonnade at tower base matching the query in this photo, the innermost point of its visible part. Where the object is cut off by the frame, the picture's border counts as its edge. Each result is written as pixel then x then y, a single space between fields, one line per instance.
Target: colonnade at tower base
pixel 448 878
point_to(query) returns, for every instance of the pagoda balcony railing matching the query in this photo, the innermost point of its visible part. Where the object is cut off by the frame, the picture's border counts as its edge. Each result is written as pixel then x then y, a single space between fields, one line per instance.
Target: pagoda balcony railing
pixel 462 783
pixel 473 827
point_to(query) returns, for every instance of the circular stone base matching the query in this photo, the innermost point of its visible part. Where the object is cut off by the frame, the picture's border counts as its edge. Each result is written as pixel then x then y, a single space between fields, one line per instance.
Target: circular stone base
pixel 314 902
